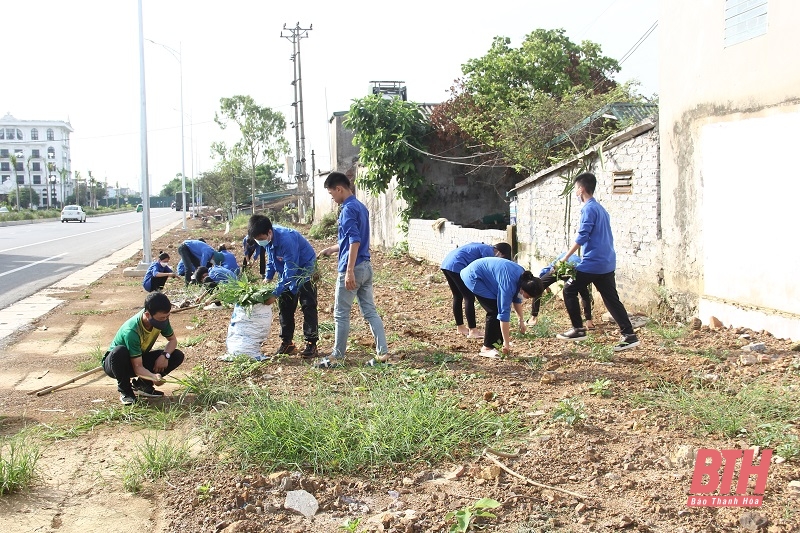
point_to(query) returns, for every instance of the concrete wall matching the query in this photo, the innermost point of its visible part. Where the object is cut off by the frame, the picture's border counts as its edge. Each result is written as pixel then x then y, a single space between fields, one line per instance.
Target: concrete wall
pixel 543 234
pixel 432 244
pixel 728 116
pixel 384 216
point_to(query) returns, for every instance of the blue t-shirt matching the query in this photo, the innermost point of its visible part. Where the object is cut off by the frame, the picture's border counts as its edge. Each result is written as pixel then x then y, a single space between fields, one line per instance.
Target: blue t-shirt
pixel 594 235
pixel 220 274
pixel 457 259
pixel 495 278
pixel 230 262
pixel 202 251
pixel 353 227
pixel 155 267
pixel 180 268
pixel 291 255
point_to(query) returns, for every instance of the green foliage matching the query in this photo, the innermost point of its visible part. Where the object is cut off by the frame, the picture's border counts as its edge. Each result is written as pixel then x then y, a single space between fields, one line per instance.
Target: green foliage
pixel 601 387
pixel 154 459
pixel 466 517
pixel 325 228
pixel 351 525
pixel 95 359
pixel 565 269
pixel 399 250
pixel 27 197
pixel 205 491
pixel 245 291
pixel 570 411
pixel 18 457
pixel 390 132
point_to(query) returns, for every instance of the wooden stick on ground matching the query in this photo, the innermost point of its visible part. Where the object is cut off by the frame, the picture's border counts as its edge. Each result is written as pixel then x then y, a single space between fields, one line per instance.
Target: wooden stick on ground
pixel 48 390
pixel 532 482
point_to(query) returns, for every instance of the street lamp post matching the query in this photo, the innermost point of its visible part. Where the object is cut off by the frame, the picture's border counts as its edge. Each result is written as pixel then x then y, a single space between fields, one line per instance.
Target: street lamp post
pixel 52 180
pixel 178 55
pixel 146 243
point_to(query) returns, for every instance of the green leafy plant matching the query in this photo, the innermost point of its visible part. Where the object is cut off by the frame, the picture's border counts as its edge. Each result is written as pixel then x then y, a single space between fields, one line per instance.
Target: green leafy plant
pixel 325 228
pixel 565 269
pixel 95 359
pixel 205 491
pixel 601 387
pixel 351 525
pixel 465 518
pixel 570 411
pixel 18 457
pixel 154 459
pixel 244 291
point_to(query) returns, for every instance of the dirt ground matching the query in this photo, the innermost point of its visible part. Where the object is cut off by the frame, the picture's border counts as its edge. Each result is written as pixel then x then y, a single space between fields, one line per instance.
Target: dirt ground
pixel 627 466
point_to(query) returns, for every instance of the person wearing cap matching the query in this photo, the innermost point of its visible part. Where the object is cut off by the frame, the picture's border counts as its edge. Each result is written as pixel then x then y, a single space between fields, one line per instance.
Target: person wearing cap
pixel 194 253
pixel 226 259
pixel 452 265
pixel 548 276
pixel 291 256
pixel 498 284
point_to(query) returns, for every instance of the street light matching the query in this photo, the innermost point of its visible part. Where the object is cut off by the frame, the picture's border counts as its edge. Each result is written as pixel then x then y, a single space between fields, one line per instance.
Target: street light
pixel 52 180
pixel 178 55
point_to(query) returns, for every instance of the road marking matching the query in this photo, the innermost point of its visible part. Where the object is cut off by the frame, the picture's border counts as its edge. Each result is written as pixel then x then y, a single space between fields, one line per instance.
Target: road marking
pixel 32 264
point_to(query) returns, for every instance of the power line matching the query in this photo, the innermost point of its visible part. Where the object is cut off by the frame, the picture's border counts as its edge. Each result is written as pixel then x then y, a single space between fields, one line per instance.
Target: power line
pixel 642 39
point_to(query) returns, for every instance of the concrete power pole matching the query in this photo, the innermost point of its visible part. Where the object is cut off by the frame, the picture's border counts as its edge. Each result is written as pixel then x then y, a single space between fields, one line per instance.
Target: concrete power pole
pixel 295 35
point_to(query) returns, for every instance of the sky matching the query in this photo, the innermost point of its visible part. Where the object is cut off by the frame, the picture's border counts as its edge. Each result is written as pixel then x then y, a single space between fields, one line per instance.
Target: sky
pixel 79 60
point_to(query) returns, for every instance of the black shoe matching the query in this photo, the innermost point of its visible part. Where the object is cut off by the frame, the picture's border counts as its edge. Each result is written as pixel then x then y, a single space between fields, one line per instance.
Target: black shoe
pixel 310 351
pixel 145 388
pixel 126 394
pixel 629 341
pixel 286 347
pixel 574 334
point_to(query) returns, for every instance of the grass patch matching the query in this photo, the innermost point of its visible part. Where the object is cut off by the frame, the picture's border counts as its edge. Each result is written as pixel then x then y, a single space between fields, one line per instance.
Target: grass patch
pixel 326 228
pixel 95 359
pixel 759 412
pixel 188 342
pixel 545 328
pixel 153 460
pixel 326 327
pixel 382 421
pixel 668 333
pixel 140 414
pixel 18 457
pixel 91 312
pixel 440 358
pixel 209 389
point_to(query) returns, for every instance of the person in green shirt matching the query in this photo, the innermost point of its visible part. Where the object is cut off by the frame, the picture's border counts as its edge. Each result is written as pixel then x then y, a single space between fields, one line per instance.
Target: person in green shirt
pixel 131 353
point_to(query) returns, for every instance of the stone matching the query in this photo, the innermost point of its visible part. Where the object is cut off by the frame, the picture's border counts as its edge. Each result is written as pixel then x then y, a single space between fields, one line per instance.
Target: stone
pixel 489 472
pixel 639 412
pixel 696 323
pixel 715 323
pixel 302 502
pixel 744 336
pixel 275 477
pixel 581 507
pixel 548 377
pixel 456 473
pixel 759 347
pixel 796 347
pixel 683 456
pixel 764 358
pixel 624 522
pixel 752 521
pixel 240 526
pixel 794 489
pixel 748 359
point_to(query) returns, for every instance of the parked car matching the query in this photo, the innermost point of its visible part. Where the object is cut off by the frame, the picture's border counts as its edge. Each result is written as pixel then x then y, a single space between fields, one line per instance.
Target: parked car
pixel 3 209
pixel 73 212
pixel 139 208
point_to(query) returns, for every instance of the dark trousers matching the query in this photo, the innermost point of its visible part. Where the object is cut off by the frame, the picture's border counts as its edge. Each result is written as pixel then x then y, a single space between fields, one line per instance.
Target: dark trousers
pixel 491 332
pixel 117 365
pixel 287 305
pixel 585 294
pixel 262 263
pixel 461 294
pixel 190 262
pixel 606 285
pixel 157 283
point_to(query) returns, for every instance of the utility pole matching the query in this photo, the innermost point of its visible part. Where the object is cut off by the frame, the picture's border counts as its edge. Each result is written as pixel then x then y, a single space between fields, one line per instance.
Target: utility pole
pixel 295 35
pixel 313 186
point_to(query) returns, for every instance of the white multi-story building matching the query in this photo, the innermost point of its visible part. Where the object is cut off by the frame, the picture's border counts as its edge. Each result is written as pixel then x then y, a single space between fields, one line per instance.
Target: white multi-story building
pixel 43 164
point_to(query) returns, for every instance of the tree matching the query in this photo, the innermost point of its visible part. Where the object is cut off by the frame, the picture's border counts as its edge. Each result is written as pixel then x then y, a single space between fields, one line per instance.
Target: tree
pixel 390 133
pixel 513 101
pixel 62 172
pixel 174 186
pixel 261 129
pixel 13 158
pixel 25 196
pixel 78 189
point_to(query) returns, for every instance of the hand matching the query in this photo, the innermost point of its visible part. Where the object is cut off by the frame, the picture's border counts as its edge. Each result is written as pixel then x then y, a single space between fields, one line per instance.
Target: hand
pixel 270 300
pixel 161 363
pixel 158 380
pixel 522 328
pixel 506 348
pixel 350 280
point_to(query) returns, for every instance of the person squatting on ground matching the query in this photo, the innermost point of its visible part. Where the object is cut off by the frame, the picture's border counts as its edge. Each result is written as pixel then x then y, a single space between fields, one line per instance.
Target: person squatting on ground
pixel 597 266
pixel 158 273
pixel 291 256
pixel 211 277
pixel 355 273
pixel 498 284
pixel 252 251
pixel 228 260
pixel 548 276
pixel 194 253
pixel 131 353
pixel 452 265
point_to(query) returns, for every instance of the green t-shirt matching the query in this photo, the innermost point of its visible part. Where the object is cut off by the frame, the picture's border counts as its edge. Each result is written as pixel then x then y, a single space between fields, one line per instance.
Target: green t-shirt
pixel 136 338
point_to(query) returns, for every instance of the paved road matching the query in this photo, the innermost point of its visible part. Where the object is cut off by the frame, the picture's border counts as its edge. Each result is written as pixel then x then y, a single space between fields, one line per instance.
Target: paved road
pixel 34 256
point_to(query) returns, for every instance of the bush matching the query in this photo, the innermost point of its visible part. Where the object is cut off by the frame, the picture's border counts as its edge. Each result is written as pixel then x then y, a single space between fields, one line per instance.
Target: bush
pixel 326 228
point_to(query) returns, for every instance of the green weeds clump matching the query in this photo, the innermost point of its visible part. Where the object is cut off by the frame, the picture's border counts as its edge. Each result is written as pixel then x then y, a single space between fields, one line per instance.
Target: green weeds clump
pixel 18 457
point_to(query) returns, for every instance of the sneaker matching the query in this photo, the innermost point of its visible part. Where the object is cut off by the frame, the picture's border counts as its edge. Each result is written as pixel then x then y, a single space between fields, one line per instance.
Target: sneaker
pixel 213 306
pixel 327 362
pixel 379 361
pixel 574 334
pixel 490 354
pixel 127 398
pixel 629 341
pixel 286 347
pixel 145 388
pixel 310 351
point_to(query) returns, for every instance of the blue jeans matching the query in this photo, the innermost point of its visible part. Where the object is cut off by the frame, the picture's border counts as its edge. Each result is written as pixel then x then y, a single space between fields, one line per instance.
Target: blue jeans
pixel 344 303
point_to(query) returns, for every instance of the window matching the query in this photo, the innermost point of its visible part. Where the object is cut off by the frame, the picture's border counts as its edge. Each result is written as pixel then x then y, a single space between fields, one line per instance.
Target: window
pixel 5 167
pixel 50 135
pixel 34 134
pixel 19 154
pixel 4 178
pixel 51 153
pixel 20 166
pixel 744 19
pixel 37 179
pixel 19 135
pixel 4 152
pixel 36 166
pixel 35 153
pixel 20 180
pixel 623 182
pixel 2 133
pixel 10 134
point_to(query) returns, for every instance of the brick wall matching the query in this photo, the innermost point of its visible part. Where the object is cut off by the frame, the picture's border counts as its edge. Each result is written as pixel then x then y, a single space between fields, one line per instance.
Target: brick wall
pixel 434 244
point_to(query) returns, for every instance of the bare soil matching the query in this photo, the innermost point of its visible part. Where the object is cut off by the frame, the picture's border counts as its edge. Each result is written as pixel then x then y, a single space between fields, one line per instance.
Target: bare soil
pixel 625 461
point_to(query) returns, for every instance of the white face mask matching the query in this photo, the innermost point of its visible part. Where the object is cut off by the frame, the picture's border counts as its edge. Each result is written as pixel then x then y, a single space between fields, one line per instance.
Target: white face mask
pixel 263 243
pixel 164 263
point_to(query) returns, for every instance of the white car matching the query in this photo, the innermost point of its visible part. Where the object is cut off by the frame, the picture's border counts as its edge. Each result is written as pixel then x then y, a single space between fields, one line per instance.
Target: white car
pixel 73 212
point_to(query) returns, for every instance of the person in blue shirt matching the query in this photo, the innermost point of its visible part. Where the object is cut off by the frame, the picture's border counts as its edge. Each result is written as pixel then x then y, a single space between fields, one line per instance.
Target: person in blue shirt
pixel 158 273
pixel 355 273
pixel 224 258
pixel 548 276
pixel 291 256
pixel 453 263
pixel 597 266
pixel 194 253
pixel 252 251
pixel 498 284
pixel 211 277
